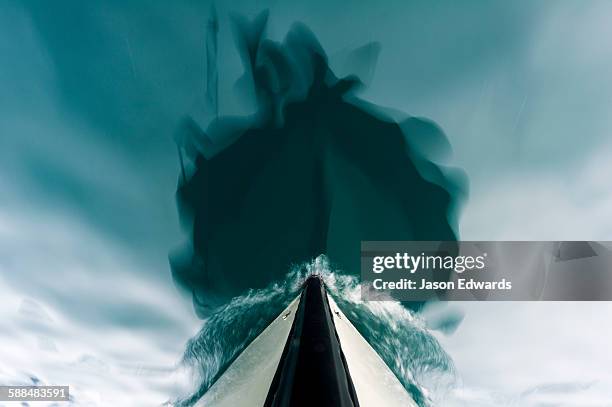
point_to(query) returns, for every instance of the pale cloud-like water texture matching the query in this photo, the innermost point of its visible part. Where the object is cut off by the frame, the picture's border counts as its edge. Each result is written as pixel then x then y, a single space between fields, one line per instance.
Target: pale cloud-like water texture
pixel 76 312
pixel 92 92
pixel 85 289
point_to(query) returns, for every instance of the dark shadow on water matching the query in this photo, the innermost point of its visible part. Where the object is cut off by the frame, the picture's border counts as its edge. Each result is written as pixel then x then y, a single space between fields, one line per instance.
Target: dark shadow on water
pixel 315 170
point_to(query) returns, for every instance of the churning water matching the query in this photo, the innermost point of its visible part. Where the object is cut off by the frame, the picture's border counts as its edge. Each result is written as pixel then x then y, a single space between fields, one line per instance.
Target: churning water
pixel 397 334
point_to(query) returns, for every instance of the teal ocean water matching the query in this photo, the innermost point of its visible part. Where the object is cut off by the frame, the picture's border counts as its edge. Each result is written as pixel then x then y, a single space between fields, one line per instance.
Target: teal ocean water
pixel 88 175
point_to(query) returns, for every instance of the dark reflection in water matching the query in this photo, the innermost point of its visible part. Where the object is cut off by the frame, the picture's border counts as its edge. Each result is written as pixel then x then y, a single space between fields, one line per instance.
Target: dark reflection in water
pixel 315 170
